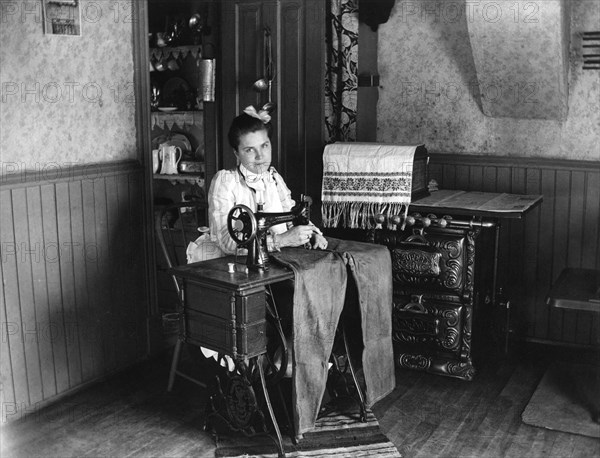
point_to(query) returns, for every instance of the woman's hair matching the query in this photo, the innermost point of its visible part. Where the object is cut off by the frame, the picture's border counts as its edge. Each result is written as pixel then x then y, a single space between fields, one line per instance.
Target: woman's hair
pixel 245 124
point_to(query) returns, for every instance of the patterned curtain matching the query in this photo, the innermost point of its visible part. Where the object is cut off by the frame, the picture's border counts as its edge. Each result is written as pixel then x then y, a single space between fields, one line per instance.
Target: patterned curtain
pixel 341 80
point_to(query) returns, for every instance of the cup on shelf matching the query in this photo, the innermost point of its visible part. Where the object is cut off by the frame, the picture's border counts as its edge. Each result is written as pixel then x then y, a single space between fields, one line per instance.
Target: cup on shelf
pixel 160 40
pixel 155 161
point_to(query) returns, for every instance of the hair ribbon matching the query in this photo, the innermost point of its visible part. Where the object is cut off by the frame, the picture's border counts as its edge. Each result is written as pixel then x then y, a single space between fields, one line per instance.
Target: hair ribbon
pixel 263 115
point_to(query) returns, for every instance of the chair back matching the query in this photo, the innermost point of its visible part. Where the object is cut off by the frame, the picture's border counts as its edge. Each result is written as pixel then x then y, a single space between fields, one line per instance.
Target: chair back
pixel 176 225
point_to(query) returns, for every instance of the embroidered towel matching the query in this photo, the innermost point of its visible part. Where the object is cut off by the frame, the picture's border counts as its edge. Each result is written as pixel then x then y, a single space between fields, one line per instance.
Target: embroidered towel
pixel 361 180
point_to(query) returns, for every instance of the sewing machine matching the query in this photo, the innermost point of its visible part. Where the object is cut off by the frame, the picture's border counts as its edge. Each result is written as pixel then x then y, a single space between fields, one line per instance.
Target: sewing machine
pixel 249 229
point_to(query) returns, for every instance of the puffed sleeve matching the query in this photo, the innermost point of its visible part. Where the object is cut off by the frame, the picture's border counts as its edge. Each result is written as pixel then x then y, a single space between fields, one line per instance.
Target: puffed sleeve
pixel 221 199
pixel 285 195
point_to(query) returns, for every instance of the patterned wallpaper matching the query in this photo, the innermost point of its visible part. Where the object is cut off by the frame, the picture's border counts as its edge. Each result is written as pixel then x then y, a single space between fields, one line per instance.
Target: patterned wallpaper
pixel 66 100
pixel 430 93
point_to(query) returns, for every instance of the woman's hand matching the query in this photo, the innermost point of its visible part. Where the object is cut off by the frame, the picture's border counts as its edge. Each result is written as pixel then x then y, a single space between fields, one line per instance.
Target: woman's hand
pixel 318 242
pixel 301 235
pixel 296 236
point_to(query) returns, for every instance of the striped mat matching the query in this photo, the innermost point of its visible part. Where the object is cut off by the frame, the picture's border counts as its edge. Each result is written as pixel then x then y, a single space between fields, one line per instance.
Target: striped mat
pixel 335 435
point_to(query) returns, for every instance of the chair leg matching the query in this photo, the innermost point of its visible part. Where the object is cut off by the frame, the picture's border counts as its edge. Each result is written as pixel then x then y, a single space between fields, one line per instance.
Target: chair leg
pixel 174 363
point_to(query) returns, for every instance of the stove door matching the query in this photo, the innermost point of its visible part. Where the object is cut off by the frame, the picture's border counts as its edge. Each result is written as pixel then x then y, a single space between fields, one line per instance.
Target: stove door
pixel 444 265
pixel 434 326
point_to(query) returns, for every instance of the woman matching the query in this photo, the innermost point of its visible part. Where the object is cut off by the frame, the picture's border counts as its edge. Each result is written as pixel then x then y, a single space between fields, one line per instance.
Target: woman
pixel 255 182
pixel 310 306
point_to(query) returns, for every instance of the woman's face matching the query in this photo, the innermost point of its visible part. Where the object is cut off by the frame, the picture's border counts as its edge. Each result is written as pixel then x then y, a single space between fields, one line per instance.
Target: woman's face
pixel 254 151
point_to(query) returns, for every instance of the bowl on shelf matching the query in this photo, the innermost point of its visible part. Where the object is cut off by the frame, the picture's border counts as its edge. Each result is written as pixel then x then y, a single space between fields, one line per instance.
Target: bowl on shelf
pixel 191 167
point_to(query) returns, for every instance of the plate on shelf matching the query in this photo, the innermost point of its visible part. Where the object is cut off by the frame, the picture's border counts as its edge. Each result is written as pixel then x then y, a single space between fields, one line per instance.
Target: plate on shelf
pixel 182 141
pixel 175 139
pixel 156 141
pixel 167 109
pixel 179 144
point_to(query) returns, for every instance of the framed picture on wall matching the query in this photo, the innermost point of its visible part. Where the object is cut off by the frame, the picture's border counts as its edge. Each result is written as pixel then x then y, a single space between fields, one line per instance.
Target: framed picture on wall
pixel 62 17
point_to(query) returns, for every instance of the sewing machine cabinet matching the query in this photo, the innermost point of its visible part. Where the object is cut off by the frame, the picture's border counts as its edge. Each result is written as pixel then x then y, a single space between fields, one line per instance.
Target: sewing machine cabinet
pixel 231 322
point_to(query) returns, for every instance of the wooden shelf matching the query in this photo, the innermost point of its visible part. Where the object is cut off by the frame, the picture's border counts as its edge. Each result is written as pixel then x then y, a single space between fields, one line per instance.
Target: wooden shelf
pixel 191 178
pixel 171 113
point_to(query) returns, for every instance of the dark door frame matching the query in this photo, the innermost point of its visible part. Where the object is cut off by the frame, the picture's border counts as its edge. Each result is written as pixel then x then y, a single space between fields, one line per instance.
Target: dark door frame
pixel 141 59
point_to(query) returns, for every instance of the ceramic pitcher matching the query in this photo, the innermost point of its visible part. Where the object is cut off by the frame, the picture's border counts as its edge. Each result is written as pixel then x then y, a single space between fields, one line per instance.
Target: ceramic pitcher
pixel 170 157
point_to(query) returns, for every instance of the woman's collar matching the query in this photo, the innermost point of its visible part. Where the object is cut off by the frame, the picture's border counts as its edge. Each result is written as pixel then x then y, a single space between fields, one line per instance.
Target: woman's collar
pixel 252 176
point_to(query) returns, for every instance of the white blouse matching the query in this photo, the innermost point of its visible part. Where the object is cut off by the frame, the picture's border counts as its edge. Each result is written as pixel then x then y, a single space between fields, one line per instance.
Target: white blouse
pixel 239 186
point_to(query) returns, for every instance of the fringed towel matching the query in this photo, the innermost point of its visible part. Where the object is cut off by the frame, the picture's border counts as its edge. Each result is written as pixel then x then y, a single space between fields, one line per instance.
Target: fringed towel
pixel 361 180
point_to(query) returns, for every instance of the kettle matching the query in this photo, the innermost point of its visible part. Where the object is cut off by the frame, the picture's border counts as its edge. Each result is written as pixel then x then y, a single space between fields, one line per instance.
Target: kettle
pixel 170 158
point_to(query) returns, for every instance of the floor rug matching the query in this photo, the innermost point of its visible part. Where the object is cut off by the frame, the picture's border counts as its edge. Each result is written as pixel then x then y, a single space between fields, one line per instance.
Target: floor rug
pixel 336 435
pixel 565 400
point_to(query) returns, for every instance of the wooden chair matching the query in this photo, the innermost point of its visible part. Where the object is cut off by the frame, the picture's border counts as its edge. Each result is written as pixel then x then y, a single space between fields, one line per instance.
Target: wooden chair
pixel 176 225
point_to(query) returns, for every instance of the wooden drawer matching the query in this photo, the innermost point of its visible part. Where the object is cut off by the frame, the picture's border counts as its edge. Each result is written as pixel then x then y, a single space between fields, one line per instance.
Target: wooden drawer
pixel 217 334
pixel 249 307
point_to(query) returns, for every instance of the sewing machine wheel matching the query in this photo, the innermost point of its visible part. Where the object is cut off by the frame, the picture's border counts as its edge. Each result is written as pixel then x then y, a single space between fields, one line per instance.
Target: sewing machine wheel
pixel 241 224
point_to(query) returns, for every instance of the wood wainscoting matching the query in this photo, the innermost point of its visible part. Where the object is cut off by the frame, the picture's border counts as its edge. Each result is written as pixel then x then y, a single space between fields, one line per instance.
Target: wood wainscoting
pixel 73 292
pixel 564 231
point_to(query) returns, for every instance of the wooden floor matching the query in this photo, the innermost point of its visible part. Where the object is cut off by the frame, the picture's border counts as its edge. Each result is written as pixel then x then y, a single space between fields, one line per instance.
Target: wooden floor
pixel 426 416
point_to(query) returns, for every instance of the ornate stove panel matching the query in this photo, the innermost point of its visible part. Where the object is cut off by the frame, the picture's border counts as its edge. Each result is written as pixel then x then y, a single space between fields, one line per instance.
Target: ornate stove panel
pixel 441 261
pixel 433 298
pixel 433 275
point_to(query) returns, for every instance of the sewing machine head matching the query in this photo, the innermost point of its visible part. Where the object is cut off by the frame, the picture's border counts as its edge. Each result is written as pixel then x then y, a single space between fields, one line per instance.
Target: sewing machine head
pixel 249 229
